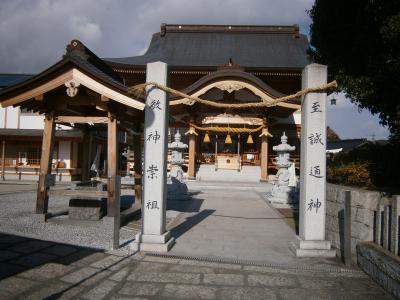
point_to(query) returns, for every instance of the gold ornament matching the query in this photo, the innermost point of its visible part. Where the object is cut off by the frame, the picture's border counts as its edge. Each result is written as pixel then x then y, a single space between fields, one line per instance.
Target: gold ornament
pixel 228 139
pixel 250 140
pixel 206 138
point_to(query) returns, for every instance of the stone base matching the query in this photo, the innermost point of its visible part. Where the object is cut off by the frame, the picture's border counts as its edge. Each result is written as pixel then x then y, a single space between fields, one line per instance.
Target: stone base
pixel 302 248
pixel 112 225
pixel 40 218
pixel 153 243
pixel 86 209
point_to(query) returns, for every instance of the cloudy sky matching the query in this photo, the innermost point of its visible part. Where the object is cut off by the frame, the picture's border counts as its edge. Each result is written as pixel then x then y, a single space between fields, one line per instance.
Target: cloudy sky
pixel 34 34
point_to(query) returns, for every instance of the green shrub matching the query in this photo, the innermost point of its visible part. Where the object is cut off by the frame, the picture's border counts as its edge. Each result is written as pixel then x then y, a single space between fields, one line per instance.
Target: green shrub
pixel 370 165
pixel 353 174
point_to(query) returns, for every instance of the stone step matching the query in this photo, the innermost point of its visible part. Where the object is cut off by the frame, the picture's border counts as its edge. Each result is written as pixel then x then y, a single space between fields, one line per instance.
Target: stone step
pixel 246 174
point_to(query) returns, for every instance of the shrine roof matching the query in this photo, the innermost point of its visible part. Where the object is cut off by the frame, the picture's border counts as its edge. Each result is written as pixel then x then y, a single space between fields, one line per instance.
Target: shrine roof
pixel 7 80
pixel 76 133
pixel 213 45
pixel 77 55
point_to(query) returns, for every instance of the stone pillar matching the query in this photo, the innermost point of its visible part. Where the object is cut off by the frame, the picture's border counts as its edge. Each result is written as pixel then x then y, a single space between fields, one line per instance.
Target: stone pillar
pixel 395 225
pixel 42 197
pixel 154 236
pixel 312 208
pixel 192 156
pixel 137 154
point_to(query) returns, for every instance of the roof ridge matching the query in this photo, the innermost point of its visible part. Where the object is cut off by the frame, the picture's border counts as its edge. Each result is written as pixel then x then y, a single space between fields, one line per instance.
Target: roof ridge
pixel 203 28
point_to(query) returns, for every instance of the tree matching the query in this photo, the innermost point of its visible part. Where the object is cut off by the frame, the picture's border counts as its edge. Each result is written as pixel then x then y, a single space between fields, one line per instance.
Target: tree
pixel 359 40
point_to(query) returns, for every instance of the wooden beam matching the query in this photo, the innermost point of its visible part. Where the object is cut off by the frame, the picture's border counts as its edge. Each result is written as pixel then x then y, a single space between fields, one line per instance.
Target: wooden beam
pixel 45 164
pixel 81 119
pixel 39 97
pixel 79 193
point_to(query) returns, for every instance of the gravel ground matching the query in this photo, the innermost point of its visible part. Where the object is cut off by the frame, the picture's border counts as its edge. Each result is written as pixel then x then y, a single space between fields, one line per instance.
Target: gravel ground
pixel 17 217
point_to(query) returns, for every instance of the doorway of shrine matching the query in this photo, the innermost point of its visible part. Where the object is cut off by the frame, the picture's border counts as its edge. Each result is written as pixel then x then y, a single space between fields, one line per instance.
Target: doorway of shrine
pixel 228 150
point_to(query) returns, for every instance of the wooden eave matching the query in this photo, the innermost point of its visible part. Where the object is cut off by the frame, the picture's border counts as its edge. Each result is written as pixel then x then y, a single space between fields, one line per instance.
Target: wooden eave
pixel 59 74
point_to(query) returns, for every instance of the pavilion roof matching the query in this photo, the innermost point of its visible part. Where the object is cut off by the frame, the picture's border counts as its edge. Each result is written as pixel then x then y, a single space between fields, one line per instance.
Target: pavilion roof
pixel 78 57
pixel 212 45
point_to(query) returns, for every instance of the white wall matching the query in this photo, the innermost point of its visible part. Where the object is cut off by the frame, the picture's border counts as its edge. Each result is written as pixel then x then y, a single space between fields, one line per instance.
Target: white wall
pixel 31 122
pixel 12 117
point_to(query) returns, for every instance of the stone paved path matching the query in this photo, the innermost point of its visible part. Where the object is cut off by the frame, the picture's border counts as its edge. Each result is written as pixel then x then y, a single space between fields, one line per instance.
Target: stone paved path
pixel 233 223
pixel 34 269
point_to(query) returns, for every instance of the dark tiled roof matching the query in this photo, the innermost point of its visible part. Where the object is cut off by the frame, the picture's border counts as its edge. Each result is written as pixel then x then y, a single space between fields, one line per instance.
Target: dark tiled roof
pixel 75 133
pixel 345 144
pixel 7 80
pixel 248 46
pixel 80 56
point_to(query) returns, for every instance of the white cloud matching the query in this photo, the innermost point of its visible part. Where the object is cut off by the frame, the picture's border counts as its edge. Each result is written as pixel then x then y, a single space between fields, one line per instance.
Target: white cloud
pixel 34 33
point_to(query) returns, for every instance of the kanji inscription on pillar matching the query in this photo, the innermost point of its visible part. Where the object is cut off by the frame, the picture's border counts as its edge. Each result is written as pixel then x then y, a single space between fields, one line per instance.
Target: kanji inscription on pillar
pixel 155 153
pixel 313 157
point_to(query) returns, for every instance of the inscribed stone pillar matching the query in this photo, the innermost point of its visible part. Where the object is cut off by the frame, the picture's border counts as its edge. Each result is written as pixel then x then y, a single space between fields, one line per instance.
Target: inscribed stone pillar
pixel 192 157
pixel 154 237
pixel 313 167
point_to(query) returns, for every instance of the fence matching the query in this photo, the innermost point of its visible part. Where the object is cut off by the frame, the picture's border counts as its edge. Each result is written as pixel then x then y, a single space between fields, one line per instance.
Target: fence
pixel 386 224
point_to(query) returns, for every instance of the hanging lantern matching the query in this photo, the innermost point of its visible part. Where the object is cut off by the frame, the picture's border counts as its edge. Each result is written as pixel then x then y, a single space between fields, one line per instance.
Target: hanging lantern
pixel 250 139
pixel 228 139
pixel 206 138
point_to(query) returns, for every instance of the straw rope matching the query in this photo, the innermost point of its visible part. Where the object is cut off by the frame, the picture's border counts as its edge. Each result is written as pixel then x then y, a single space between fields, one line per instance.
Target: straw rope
pixel 140 91
pixel 227 129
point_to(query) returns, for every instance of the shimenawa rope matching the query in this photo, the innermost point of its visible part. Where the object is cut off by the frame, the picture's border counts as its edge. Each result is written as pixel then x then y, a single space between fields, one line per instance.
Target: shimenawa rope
pixel 140 91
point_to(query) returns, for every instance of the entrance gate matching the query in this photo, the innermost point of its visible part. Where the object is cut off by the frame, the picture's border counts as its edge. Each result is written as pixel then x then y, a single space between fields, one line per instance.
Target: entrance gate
pixel 311 240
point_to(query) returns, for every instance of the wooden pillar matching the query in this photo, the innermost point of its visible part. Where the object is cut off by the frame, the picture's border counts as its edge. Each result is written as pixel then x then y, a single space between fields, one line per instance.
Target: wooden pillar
pixel 264 153
pixel 45 165
pixel 113 183
pixel 3 160
pixel 137 155
pixel 192 155
pixel 90 154
pixel 85 156
pixel 112 166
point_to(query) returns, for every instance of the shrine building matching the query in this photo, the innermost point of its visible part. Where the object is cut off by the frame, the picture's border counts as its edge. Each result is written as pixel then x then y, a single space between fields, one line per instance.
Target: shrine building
pixel 222 63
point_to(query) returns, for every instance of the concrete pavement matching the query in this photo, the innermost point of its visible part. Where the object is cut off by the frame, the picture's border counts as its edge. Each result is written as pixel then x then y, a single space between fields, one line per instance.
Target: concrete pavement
pixel 232 223
pixel 34 269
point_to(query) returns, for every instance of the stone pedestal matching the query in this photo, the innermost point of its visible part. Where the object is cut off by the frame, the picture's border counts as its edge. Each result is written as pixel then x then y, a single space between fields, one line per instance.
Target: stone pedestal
pixel 313 167
pixel 283 193
pixel 177 188
pixel 154 236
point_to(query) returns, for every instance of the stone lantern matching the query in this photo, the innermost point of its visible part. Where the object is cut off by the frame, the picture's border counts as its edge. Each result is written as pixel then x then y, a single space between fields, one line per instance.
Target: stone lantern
pixel 176 187
pixel 283 191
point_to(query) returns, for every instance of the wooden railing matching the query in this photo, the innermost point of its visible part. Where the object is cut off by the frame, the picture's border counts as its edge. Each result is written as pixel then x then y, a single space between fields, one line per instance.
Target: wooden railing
pixel 293 158
pixel 251 158
pixel 206 158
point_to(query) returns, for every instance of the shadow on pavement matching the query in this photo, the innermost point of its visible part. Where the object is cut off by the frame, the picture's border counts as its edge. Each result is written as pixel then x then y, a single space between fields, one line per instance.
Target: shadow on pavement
pixel 190 222
pixel 20 254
